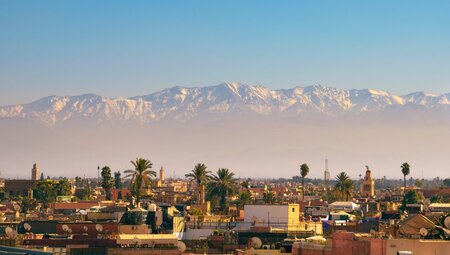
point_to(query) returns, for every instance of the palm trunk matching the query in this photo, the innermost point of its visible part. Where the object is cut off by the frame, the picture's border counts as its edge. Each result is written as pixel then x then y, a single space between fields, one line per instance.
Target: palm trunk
pixel 223 202
pixel 404 184
pixel 303 188
pixel 138 192
pixel 138 197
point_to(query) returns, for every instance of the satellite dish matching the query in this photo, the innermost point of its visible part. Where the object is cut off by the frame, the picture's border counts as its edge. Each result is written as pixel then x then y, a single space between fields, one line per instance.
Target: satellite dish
pixel 99 228
pixel 8 230
pixel 65 227
pixel 11 233
pixel 447 222
pixel 423 232
pixel 255 242
pixel 16 207
pixel 373 232
pixel 181 246
pixel 69 230
pixel 85 228
pixel 27 227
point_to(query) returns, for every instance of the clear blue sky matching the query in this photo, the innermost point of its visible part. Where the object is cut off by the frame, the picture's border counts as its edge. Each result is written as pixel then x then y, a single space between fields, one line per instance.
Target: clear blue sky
pixel 126 48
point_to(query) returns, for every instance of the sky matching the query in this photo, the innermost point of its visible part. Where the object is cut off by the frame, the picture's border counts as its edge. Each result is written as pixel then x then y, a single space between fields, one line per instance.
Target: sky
pixel 128 48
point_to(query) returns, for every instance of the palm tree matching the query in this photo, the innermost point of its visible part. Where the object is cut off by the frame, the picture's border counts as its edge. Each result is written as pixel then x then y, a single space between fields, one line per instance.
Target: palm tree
pixel 246 184
pixel 107 181
pixel 222 184
pixel 140 175
pixel 349 186
pixel 245 197
pixel 304 170
pixel 344 185
pixel 405 172
pixel 269 197
pixel 201 177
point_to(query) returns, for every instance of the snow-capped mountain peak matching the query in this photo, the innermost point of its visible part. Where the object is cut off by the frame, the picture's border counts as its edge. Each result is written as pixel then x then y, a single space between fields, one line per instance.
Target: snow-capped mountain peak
pixel 230 98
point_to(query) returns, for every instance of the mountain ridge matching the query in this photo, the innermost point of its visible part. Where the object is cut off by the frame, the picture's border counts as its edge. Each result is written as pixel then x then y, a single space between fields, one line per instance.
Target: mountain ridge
pixel 231 98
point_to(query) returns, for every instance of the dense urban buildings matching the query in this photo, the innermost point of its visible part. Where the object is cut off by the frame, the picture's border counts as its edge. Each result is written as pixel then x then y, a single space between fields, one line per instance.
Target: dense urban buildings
pixel 215 212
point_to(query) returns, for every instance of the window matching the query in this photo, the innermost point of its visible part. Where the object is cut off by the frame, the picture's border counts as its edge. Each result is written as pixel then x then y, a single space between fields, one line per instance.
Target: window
pixel 293 209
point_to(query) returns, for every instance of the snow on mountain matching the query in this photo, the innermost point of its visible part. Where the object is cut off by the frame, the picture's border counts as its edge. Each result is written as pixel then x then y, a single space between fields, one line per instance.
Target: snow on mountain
pixel 183 104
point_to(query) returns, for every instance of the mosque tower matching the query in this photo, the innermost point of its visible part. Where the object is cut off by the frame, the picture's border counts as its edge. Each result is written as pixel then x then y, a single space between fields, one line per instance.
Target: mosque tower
pixel 35 172
pixel 162 174
pixel 368 184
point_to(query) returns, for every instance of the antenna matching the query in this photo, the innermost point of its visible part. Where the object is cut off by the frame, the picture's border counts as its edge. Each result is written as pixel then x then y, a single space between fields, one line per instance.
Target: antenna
pixel 326 174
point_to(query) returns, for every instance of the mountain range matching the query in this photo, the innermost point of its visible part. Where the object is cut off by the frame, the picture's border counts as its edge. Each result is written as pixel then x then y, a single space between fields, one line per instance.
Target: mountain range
pixel 228 99
pixel 252 130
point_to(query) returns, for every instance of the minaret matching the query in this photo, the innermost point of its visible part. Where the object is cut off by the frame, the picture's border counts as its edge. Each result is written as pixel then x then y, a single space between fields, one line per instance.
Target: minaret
pixel 35 172
pixel 162 174
pixel 326 174
pixel 368 184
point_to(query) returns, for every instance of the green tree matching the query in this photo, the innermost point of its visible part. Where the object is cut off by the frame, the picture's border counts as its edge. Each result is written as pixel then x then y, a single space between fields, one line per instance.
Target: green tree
pixel 405 171
pixel 269 197
pixel 304 170
pixel 87 191
pixel 418 183
pixel 107 181
pixel 78 181
pixel 446 182
pixel 63 187
pixel 140 176
pixel 117 180
pixel 45 191
pixel 245 197
pixel 27 205
pixel 411 197
pixel 222 185
pixel 246 184
pixel 344 185
pixel 436 199
pixel 201 177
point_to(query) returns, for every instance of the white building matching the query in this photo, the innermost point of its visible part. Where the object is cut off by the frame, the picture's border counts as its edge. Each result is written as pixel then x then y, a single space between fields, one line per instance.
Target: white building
pixel 439 207
pixel 346 206
pixel 279 217
pixel 267 215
